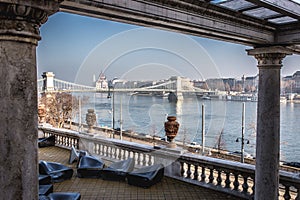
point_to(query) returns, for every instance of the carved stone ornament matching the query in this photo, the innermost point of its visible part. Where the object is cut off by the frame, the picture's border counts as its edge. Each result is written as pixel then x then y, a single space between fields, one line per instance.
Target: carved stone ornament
pixel 171 129
pixel 269 57
pixel 21 20
pixel 90 119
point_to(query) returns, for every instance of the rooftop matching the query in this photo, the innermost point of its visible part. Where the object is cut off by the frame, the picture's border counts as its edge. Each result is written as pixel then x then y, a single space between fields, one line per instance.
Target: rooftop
pixel 168 188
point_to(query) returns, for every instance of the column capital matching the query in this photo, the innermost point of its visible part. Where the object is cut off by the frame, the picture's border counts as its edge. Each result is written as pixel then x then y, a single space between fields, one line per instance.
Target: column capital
pixel 269 57
pixel 20 20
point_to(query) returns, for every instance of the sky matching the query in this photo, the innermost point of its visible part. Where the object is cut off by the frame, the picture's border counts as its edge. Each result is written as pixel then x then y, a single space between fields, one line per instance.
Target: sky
pixel 77 48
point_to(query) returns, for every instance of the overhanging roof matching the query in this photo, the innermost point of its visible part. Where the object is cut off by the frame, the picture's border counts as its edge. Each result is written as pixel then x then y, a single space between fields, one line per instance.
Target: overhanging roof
pixel 250 22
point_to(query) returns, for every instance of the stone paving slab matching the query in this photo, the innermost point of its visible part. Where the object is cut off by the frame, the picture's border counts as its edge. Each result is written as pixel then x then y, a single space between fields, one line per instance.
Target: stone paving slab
pixel 167 189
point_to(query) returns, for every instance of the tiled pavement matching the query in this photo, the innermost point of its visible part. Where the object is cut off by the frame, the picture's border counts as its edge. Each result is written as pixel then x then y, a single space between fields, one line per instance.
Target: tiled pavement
pixel 102 189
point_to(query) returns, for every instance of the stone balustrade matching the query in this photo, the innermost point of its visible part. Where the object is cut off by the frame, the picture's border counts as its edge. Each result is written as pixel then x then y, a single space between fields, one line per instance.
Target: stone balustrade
pixel 222 175
pixel 63 138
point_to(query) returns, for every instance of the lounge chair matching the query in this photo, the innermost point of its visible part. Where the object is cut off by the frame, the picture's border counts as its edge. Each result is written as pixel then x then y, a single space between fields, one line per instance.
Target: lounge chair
pixel 47 141
pixel 118 170
pixel 58 172
pixel 61 196
pixel 147 176
pixel 74 155
pixel 44 179
pixel 45 189
pixel 89 167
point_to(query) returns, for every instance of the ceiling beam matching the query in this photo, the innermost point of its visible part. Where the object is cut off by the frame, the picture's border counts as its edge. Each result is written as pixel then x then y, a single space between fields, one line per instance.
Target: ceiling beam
pixel 201 19
pixel 288 8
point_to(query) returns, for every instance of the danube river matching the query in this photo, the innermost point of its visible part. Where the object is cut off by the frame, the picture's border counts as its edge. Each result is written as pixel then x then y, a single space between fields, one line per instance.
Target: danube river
pixel 147 114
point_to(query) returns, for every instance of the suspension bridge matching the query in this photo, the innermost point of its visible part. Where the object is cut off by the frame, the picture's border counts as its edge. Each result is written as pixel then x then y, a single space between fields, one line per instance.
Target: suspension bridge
pixel 175 85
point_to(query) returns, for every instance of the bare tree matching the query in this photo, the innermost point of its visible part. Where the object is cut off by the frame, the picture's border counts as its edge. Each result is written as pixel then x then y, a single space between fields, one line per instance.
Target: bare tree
pixel 60 108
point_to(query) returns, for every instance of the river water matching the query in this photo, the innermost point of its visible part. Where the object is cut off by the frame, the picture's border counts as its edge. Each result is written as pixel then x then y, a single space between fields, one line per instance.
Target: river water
pixel 147 114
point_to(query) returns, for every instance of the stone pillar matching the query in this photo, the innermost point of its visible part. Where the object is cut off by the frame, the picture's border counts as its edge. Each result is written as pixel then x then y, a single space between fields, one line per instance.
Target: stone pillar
pixel 268 121
pixel 19 33
pixel 48 84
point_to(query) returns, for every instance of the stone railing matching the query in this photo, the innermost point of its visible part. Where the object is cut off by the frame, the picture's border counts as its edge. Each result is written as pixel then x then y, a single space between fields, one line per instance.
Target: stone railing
pixel 113 150
pixel 221 175
pixel 63 138
pixel 225 176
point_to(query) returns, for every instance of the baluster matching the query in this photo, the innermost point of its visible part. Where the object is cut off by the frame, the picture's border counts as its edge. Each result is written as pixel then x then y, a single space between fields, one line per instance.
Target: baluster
pixel 227 181
pixel 196 174
pixel 111 151
pixel 71 142
pixel 245 184
pixel 203 176
pixel 101 149
pixel 188 173
pixel 150 159
pixel 139 158
pixel 115 152
pixel 106 150
pixel 236 181
pixel 287 195
pixel 123 151
pixel 145 159
pixel 182 169
pixel 219 178
pixel 96 148
pixel 211 175
pixel 77 143
pixel 119 154
pixel 253 185
pixel 133 156
pixel 298 195
pixel 57 139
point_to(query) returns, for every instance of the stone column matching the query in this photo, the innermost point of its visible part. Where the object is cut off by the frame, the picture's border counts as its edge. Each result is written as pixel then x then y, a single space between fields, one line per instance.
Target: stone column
pixel 268 121
pixel 19 33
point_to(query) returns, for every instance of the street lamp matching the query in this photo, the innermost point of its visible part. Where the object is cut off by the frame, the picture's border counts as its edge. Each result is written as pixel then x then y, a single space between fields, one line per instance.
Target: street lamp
pixel 243 133
pixel 109 95
pixel 242 146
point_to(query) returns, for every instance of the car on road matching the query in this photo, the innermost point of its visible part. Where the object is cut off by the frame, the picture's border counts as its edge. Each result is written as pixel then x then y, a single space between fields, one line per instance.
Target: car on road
pixel 238 153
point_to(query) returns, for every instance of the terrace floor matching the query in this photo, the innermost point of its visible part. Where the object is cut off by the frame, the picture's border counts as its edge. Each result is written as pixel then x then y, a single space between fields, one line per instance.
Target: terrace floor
pixel 168 188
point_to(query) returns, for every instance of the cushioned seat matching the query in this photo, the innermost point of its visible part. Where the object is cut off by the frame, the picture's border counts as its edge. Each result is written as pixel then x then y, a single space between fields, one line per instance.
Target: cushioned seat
pixel 47 141
pixel 118 170
pixel 74 155
pixel 44 179
pixel 45 189
pixel 58 172
pixel 65 196
pixel 89 167
pixel 146 176
pixel 61 196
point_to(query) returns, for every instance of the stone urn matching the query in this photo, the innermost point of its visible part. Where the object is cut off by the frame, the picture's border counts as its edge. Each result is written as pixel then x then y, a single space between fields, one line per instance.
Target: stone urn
pixel 171 129
pixel 90 119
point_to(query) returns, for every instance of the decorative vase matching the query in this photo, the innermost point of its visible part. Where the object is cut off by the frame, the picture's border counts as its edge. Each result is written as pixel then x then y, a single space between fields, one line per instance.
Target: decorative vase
pixel 171 129
pixel 90 120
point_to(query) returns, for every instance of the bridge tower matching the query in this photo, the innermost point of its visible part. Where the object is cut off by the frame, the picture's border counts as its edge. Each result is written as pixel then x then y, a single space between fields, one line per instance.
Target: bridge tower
pixel 48 84
pixel 177 95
